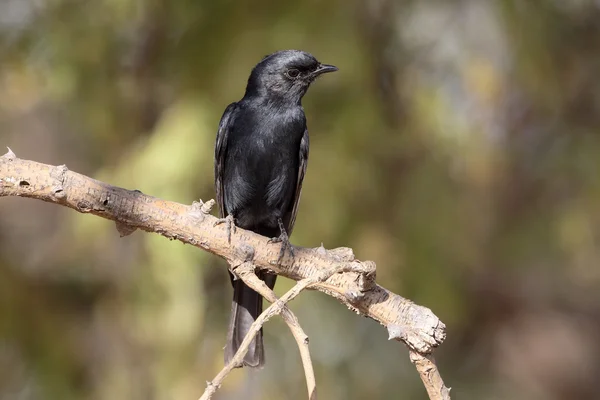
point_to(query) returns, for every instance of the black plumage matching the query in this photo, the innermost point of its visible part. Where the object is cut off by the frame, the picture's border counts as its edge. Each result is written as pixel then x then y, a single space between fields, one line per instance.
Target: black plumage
pixel 261 155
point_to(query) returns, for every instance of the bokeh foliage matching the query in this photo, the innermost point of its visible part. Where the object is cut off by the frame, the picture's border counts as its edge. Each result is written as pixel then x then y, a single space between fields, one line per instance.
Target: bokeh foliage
pixel 458 147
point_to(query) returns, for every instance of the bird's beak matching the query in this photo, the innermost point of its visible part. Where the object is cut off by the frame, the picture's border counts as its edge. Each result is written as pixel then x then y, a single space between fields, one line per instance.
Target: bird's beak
pixel 324 68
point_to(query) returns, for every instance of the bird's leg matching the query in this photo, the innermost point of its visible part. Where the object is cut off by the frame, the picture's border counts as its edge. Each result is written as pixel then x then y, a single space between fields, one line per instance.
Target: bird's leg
pixel 284 239
pixel 229 227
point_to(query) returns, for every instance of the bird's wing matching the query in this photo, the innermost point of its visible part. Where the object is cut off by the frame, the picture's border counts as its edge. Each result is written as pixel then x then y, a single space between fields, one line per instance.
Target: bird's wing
pixel 301 171
pixel 220 150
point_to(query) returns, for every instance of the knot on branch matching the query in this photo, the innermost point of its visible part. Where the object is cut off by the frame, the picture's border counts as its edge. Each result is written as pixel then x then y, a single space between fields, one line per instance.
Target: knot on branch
pixel 58 174
pixel 242 254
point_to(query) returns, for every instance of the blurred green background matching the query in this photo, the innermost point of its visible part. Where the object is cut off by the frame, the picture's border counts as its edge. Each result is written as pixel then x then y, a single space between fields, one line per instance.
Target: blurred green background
pixel 458 147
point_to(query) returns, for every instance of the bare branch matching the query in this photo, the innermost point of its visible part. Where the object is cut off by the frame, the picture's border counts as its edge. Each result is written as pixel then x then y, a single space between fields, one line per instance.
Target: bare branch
pixel 412 324
pixel 430 375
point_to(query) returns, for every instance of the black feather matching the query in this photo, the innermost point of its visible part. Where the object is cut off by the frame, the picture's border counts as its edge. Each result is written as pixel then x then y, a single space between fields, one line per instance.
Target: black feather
pixel 261 154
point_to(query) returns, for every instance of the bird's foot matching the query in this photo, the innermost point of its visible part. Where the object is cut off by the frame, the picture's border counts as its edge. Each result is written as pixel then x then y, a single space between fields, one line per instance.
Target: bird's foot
pixel 284 239
pixel 230 227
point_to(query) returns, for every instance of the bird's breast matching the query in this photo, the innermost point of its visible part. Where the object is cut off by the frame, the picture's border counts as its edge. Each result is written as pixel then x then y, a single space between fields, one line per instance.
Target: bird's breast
pixel 261 170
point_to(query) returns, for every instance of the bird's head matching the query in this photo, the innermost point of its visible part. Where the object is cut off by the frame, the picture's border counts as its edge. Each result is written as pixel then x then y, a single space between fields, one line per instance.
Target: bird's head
pixel 286 74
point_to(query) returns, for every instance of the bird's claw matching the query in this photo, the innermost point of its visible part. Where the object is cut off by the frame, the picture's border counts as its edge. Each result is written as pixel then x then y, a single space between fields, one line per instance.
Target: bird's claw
pixel 230 227
pixel 285 244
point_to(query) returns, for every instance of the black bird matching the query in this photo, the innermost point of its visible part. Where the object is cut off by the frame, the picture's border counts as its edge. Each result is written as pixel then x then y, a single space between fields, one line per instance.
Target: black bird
pixel 260 161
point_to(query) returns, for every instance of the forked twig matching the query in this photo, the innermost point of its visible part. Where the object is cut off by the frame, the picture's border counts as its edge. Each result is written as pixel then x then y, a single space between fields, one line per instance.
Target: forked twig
pixel 245 272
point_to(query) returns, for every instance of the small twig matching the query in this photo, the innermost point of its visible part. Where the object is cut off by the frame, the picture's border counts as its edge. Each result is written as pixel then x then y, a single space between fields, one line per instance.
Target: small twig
pixel 302 342
pixel 245 272
pixel 430 375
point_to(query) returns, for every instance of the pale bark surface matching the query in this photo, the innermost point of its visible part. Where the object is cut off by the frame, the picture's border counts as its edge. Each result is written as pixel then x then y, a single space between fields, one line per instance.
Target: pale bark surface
pixel 354 284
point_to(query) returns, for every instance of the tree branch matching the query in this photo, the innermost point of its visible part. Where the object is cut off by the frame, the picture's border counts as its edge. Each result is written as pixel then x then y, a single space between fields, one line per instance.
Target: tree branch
pixel 405 321
pixel 430 375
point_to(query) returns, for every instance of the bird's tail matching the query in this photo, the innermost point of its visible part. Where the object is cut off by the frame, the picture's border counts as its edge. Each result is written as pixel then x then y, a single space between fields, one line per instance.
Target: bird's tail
pixel 247 305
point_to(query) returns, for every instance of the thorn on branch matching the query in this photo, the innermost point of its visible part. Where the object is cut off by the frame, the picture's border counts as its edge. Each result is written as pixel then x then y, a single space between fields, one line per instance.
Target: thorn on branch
pixel 207 207
pixel 212 385
pixel 200 207
pixel 196 210
pixel 321 250
pixel 124 229
pixel 10 156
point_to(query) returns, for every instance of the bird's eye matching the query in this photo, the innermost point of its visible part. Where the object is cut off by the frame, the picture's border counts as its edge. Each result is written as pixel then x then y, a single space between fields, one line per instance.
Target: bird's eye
pixel 292 73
